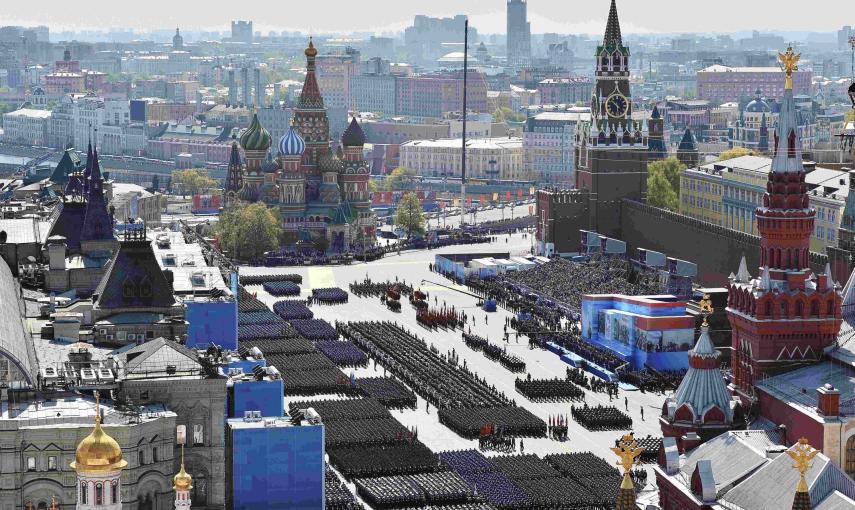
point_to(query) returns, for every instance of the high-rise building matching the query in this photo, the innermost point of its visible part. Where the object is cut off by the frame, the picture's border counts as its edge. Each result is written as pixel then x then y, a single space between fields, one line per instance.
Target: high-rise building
pixel 242 31
pixel 519 34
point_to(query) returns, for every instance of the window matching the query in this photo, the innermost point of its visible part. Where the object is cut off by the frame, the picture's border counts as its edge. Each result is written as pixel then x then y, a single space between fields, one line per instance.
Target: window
pixel 31 463
pixel 99 494
pixel 850 456
pixel 154 454
pixel 51 463
pixel 84 493
pixel 141 457
pixel 114 492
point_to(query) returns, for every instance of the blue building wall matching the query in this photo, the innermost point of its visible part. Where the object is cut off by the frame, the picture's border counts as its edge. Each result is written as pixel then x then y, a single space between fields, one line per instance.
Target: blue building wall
pixel 212 322
pixel 275 467
pixel 265 396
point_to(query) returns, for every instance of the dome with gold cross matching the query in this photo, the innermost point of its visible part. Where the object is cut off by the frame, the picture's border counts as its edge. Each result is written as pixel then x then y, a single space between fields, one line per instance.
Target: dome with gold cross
pixel 182 481
pixel 98 452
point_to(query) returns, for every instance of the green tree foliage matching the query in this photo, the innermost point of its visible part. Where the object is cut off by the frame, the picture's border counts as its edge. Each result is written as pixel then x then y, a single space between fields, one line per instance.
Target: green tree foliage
pixel 505 114
pixel 193 181
pixel 396 179
pixel 247 231
pixel 735 152
pixel 671 168
pixel 663 183
pixel 660 193
pixel 410 215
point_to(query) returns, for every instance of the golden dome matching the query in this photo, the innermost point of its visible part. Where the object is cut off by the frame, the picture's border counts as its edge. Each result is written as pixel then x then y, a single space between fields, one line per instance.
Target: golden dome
pixel 311 51
pixel 98 452
pixel 182 481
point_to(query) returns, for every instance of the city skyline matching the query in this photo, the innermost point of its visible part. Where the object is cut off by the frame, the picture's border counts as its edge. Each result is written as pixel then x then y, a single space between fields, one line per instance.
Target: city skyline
pixel 487 17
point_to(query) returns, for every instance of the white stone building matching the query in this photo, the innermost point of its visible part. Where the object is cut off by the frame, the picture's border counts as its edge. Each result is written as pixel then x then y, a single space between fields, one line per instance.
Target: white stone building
pixel 486 158
pixel 26 126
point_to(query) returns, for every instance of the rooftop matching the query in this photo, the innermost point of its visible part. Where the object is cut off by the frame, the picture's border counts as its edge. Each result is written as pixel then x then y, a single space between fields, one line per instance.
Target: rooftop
pixel 72 410
pixel 477 143
pixel 727 69
pixel 30 112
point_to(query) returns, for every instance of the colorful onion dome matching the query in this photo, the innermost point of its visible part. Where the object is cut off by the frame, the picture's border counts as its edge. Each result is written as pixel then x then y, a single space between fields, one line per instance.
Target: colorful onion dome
pixel 291 143
pixel 353 136
pixel 311 51
pixel 255 137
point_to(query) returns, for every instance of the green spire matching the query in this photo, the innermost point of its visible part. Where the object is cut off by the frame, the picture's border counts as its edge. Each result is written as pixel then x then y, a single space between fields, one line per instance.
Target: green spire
pixel 612 38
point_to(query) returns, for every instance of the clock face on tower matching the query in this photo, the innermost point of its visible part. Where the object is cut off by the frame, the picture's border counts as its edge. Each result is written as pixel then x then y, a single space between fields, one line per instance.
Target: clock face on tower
pixel 617 105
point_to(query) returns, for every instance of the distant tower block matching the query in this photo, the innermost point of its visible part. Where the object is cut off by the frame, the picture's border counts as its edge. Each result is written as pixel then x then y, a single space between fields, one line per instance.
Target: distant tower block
pixel 259 90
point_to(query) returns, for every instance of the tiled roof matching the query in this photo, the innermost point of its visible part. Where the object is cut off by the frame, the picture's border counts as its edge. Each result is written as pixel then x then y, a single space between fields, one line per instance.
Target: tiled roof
pixel 134 280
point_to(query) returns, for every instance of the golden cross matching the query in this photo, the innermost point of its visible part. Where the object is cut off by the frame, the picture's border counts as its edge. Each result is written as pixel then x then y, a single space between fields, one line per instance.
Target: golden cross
pixel 97 406
pixel 53 504
pixel 789 61
pixel 705 305
pixel 802 453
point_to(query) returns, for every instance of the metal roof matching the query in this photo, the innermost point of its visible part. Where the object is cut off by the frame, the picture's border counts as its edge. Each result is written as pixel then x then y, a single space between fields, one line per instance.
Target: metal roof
pixel 16 344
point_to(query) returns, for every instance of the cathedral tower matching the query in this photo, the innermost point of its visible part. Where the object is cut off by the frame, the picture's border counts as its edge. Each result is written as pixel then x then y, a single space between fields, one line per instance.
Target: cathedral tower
pixel 786 317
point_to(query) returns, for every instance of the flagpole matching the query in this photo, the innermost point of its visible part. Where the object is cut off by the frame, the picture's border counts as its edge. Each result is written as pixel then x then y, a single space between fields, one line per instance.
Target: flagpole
pixel 463 137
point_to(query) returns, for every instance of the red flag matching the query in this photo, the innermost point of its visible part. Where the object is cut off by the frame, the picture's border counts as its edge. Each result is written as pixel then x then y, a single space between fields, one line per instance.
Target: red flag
pixel 468 200
pixel 481 199
pixel 519 192
pixel 507 195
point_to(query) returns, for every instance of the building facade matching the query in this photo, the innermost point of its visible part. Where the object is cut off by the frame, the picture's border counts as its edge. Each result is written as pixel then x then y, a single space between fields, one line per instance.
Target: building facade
pixel 548 140
pixel 721 84
pixel 432 95
pixel 564 90
pixel 728 193
pixel 486 158
pixel 26 126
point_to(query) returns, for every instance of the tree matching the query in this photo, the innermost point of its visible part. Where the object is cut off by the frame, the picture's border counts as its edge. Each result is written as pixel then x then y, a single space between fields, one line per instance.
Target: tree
pixel 395 180
pixel 373 185
pixel 735 152
pixel 410 215
pixel 193 181
pixel 663 183
pixel 660 193
pixel 155 183
pixel 249 230
pixel 671 168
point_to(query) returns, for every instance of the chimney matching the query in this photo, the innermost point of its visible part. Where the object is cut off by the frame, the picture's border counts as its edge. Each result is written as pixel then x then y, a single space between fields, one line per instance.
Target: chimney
pixel 259 91
pixel 690 441
pixel 828 400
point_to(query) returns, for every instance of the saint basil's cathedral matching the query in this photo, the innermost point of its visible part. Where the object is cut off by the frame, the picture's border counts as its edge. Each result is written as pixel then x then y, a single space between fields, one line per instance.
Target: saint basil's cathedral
pixel 320 193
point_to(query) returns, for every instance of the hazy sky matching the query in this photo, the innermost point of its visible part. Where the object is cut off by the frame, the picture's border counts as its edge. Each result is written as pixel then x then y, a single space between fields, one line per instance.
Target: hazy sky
pixel 488 16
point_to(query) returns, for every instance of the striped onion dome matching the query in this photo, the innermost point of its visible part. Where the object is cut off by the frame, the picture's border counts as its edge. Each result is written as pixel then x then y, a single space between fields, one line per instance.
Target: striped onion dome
pixel 703 386
pixel 291 143
pixel 255 137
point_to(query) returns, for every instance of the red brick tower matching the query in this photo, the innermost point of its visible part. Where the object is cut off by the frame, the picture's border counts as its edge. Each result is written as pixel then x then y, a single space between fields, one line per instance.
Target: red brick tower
pixel 784 318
